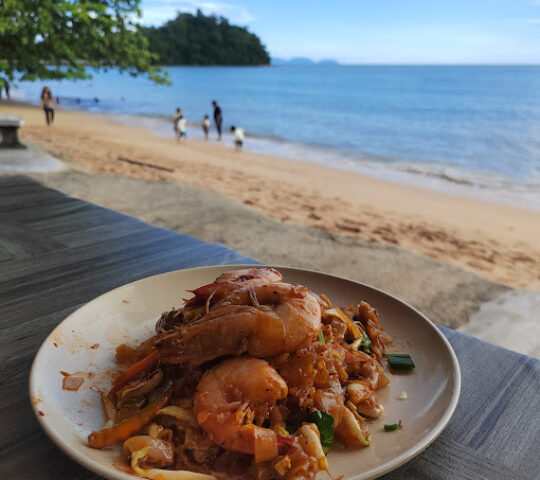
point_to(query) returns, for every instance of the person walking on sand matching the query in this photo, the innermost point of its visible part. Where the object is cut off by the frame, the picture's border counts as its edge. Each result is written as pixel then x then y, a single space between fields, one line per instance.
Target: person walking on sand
pixel 206 126
pixel 47 101
pixel 238 138
pixel 218 118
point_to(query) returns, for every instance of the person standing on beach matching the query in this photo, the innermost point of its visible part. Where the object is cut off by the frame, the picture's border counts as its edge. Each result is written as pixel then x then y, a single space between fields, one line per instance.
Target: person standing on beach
pixel 218 118
pixel 47 101
pixel 176 118
pixel 206 126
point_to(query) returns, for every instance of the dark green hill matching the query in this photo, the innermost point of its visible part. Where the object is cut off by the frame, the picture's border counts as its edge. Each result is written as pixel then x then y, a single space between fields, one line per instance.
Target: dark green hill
pixel 201 40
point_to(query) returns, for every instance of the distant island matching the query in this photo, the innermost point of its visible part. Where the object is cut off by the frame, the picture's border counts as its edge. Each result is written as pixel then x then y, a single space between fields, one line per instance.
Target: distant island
pixel 302 61
pixel 205 40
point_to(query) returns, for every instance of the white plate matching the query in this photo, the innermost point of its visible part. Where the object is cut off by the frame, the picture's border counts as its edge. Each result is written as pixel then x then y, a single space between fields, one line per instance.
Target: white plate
pixel 129 313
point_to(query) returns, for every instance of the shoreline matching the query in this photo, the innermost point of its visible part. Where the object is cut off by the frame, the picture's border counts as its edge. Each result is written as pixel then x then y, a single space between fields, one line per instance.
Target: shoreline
pixel 451 179
pixel 497 241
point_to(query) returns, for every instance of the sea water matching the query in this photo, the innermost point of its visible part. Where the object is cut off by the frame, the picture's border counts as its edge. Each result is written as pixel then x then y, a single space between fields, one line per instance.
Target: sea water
pixel 470 130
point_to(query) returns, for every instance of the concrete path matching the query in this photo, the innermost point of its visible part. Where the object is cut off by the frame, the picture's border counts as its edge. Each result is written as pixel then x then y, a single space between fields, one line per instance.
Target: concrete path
pixel 31 159
pixel 448 295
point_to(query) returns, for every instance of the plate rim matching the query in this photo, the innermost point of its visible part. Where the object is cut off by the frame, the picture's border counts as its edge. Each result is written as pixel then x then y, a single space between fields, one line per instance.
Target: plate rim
pixel 376 472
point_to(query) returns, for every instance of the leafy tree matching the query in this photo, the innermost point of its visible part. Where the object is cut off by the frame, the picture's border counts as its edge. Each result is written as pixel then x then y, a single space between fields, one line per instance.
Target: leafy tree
pixel 205 40
pixel 54 39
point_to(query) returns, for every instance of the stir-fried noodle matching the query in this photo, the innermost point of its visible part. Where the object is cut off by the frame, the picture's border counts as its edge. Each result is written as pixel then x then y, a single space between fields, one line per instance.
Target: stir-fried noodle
pixel 252 377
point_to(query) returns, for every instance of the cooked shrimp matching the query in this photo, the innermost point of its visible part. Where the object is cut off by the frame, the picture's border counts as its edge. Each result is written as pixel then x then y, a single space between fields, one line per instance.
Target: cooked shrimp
pixel 234 279
pixel 263 321
pixel 208 295
pixel 251 276
pixel 231 396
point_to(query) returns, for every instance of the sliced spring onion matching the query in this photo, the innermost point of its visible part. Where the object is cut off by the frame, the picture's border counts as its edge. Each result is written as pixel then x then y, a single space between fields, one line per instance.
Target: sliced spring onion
pixel 391 428
pixel 321 336
pixel 365 344
pixel 400 361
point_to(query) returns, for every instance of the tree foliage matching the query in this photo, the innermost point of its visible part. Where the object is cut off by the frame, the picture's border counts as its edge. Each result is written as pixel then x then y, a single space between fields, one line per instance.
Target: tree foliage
pixel 54 39
pixel 205 40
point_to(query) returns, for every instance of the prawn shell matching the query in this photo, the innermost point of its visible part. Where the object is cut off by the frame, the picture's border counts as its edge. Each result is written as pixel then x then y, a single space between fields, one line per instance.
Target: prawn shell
pixel 263 321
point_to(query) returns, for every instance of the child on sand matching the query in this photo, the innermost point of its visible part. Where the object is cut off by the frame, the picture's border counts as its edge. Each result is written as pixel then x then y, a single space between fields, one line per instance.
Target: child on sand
pixel 206 126
pixel 180 125
pixel 238 138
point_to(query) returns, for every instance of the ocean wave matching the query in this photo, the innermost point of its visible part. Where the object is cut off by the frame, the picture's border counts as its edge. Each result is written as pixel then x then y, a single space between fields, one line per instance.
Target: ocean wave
pixel 447 178
pixel 427 170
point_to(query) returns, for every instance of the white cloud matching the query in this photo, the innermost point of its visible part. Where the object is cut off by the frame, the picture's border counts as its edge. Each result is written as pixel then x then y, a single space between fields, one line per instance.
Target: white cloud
pixel 156 12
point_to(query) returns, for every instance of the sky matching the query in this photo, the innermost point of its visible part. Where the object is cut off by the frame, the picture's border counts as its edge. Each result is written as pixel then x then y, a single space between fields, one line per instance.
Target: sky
pixel 380 31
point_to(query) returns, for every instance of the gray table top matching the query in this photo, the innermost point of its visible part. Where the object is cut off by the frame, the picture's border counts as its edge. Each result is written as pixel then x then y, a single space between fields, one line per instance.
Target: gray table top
pixel 57 253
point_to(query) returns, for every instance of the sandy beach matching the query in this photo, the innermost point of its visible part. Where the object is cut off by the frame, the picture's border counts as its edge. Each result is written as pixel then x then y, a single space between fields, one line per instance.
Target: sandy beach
pixel 497 241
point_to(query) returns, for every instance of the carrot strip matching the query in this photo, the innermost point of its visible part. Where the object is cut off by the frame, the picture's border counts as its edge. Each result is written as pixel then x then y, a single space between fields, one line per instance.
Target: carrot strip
pixel 141 366
pixel 118 433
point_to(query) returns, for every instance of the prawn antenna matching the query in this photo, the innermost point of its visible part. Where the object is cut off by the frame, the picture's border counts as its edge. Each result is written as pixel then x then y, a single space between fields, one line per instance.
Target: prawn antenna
pixel 208 301
pixel 253 297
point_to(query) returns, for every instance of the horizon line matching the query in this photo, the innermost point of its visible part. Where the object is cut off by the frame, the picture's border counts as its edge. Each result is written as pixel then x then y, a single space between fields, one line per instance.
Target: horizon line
pixel 413 64
pixel 338 64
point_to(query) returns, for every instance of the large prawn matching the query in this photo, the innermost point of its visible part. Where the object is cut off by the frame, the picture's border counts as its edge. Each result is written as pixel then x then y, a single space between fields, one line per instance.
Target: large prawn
pixel 234 394
pixel 231 280
pixel 207 295
pixel 263 321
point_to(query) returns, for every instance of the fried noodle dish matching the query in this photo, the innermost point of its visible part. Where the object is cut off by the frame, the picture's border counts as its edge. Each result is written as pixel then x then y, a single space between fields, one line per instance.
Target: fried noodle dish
pixel 252 378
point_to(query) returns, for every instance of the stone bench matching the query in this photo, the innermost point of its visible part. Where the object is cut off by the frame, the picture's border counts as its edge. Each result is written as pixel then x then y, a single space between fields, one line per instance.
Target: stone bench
pixel 9 126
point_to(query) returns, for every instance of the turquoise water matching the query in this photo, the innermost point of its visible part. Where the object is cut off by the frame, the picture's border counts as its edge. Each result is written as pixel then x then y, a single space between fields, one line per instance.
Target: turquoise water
pixel 465 129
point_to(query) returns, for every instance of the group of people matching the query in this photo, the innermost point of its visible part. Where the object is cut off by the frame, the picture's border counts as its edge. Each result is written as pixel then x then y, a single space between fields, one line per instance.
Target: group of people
pixel 180 126
pixel 48 103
